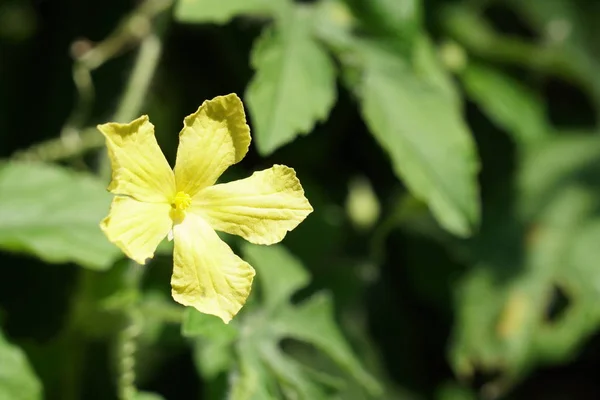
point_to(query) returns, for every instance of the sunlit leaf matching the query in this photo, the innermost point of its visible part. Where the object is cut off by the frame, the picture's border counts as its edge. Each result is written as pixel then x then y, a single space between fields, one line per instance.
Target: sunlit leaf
pixel 429 67
pixel 221 12
pixel 196 323
pixel 397 18
pixel 334 22
pixel 422 130
pixel 17 379
pixel 294 84
pixel 53 213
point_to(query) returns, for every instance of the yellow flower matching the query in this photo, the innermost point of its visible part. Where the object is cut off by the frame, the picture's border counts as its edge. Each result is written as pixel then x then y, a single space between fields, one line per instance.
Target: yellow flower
pixel 152 201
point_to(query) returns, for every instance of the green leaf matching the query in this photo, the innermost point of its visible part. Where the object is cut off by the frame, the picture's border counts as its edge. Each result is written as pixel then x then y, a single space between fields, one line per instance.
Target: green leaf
pixel 281 274
pixel 570 157
pixel 196 323
pixel 504 322
pixel 213 356
pixel 519 323
pixel 263 370
pixel 294 84
pixel 165 248
pixel 54 213
pixel 292 377
pixel 333 23
pixel 313 322
pixel 564 54
pixel 17 379
pixel 399 20
pixel 148 396
pixel 252 381
pixel 454 391
pixel 422 130
pixel 221 12
pixel 429 67
pixel 564 23
pixel 507 102
pixel 213 345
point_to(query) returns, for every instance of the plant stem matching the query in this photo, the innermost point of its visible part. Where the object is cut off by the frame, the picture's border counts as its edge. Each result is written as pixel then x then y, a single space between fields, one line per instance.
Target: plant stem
pixel 474 33
pixel 127 341
pixel 136 91
pixel 141 77
pixel 74 139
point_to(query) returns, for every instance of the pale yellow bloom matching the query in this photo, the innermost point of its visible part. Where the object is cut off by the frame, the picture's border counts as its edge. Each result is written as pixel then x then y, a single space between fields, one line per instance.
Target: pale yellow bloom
pixel 152 202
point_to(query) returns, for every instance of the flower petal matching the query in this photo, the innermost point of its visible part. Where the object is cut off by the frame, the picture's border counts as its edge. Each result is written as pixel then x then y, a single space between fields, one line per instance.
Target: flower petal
pixel 207 275
pixel 137 227
pixel 261 208
pixel 212 139
pixel 139 168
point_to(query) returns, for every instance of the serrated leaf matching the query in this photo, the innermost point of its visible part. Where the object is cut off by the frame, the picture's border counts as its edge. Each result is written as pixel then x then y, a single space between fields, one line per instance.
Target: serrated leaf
pixel 422 130
pixel 251 381
pixel 507 102
pixel 294 84
pixel 196 324
pixel 213 356
pixel 295 384
pixel 313 322
pixel 220 12
pixel 213 341
pixel 17 379
pixel 280 273
pixel 251 351
pixel 53 213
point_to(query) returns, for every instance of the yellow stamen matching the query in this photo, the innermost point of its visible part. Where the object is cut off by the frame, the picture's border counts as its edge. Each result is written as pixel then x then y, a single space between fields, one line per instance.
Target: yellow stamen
pixel 180 203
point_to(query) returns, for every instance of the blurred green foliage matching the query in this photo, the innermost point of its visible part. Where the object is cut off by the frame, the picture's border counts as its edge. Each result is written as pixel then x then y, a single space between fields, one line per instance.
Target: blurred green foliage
pixel 450 150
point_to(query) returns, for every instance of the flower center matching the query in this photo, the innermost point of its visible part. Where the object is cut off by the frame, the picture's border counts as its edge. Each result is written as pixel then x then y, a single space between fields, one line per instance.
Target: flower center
pixel 180 203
